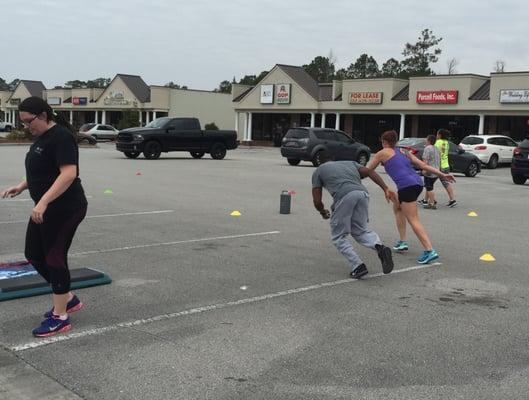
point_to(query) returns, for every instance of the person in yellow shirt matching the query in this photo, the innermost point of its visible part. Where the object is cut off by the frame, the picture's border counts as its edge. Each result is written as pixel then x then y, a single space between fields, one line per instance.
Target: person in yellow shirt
pixel 443 146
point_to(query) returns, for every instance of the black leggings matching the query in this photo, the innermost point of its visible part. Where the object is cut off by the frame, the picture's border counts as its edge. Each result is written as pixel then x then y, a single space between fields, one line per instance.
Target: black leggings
pixel 47 245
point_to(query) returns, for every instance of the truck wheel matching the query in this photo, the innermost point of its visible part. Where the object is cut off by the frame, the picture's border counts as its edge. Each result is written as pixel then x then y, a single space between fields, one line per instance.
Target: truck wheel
pixel 197 154
pixel 316 160
pixel 218 151
pixel 519 179
pixel 152 150
pixel 132 154
pixel 293 161
pixel 362 159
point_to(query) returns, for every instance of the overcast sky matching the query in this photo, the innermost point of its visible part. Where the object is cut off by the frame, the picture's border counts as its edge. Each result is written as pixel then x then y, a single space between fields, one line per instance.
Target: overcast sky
pixel 199 43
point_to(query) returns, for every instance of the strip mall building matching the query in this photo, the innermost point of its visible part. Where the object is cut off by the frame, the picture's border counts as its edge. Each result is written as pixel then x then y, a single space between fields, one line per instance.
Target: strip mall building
pixel 289 97
pixel 465 104
pixel 125 92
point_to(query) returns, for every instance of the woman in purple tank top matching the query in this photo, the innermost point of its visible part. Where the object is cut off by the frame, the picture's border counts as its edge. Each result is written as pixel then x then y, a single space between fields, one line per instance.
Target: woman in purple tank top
pixel 399 166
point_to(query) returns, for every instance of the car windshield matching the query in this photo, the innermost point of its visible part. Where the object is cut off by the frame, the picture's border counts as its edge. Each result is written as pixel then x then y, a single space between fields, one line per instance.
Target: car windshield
pixel 86 127
pixel 472 140
pixel 158 123
pixel 297 134
pixel 411 141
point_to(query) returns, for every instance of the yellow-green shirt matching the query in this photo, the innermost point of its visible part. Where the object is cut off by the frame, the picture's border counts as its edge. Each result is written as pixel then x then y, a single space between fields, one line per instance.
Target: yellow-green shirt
pixel 443 146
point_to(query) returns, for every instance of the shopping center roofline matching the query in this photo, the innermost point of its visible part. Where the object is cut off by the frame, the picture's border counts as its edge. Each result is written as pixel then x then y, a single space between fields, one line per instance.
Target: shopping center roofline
pixel 511 73
pixel 189 90
pixel 377 78
pixel 450 76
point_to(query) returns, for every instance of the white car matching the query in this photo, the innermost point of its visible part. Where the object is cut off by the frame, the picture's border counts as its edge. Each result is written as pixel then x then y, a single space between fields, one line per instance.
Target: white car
pixel 100 131
pixel 6 126
pixel 491 150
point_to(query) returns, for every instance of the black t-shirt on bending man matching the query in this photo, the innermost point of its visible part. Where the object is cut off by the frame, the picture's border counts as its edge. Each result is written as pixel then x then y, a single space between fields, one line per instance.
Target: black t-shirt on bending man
pixel 51 150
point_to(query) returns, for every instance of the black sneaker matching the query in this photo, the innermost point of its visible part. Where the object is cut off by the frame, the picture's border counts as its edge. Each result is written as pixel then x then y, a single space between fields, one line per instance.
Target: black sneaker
pixel 359 271
pixel 451 203
pixel 384 253
pixel 422 202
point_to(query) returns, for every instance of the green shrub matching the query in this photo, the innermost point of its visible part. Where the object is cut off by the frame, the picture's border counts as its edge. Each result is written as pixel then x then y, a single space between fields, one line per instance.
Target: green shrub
pixel 129 119
pixel 211 127
pixel 17 135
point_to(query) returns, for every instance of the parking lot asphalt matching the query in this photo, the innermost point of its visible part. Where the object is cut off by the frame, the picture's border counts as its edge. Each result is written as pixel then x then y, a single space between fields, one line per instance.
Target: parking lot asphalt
pixel 205 305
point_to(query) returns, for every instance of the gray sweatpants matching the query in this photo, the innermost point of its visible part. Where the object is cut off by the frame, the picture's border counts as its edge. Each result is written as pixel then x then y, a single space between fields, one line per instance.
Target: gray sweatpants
pixel 350 217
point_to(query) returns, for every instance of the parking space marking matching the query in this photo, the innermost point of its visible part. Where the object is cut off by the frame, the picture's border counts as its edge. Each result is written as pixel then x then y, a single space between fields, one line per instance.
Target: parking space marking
pixel 99 216
pixel 199 310
pixel 23 200
pixel 144 246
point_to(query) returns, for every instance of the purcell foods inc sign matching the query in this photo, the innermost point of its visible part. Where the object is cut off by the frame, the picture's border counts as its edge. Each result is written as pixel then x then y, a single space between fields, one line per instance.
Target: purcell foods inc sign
pixel 365 98
pixel 514 96
pixel 437 97
pixel 267 94
pixel 283 93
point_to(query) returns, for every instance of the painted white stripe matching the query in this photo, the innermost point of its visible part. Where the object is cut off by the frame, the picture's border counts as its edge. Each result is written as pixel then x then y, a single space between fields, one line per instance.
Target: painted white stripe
pixel 23 200
pixel 143 246
pixel 99 216
pixel 199 310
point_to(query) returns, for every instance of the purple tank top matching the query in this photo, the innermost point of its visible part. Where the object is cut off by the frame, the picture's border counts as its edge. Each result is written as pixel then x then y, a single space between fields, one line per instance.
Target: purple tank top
pixel 400 170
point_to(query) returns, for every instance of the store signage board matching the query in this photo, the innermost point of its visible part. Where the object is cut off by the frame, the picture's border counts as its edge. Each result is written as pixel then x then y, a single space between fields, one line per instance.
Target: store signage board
pixel 116 98
pixel 79 101
pixel 437 97
pixel 54 101
pixel 365 98
pixel 267 94
pixel 516 96
pixel 283 93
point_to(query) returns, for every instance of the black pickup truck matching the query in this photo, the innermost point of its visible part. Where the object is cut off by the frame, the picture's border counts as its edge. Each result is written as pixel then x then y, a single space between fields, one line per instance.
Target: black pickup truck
pixel 175 134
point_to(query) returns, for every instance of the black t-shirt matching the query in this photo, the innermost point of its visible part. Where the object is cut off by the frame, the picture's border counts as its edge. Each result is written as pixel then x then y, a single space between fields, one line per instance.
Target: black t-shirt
pixel 51 150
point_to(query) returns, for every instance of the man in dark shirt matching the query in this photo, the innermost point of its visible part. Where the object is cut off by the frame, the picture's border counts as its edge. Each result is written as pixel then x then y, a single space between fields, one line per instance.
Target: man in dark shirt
pixel 343 180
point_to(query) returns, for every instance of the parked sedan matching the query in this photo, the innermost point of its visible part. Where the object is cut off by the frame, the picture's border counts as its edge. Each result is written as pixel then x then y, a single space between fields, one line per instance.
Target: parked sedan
pixel 491 150
pixel 85 138
pixel 460 161
pixel 520 163
pixel 100 131
pixel 308 144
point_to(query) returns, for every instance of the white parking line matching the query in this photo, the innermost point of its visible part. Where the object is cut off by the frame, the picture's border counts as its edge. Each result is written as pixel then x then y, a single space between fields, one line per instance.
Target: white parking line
pixel 99 216
pixel 143 246
pixel 199 310
pixel 23 200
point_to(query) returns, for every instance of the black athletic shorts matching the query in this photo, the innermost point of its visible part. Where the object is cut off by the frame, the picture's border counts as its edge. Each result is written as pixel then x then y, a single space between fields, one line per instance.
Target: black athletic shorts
pixel 409 194
pixel 429 182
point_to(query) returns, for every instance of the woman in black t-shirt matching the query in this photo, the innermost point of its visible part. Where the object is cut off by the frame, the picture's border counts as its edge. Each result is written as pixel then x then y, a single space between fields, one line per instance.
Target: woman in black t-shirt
pixel 52 177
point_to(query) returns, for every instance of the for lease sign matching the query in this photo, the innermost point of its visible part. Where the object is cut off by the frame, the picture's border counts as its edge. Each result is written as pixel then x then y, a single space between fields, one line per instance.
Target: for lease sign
pixel 365 98
pixel 437 97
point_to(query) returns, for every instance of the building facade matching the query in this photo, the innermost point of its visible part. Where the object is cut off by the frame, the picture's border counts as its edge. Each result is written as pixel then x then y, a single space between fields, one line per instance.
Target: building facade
pixel 364 108
pixel 124 93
